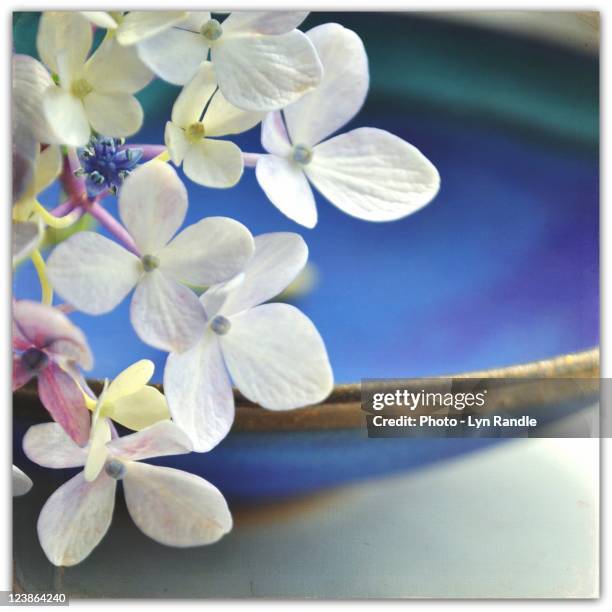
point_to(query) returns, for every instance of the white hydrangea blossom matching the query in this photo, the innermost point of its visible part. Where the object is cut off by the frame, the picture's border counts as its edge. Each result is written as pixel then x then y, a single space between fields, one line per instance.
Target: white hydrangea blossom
pixel 190 136
pixel 93 93
pixel 262 61
pixel 368 173
pixel 135 26
pixel 95 274
pixel 168 505
pixel 233 71
pixel 272 352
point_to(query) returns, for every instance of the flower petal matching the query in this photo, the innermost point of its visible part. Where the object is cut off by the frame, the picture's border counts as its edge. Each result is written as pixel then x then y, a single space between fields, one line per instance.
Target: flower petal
pixel 208 252
pixel 174 55
pixel 141 409
pixel 260 73
pixel 274 137
pixel 48 328
pixel 263 22
pixel 92 273
pixel 50 446
pixel 340 94
pixel 23 156
pixel 176 142
pixel 175 508
pixel 67 33
pixel 113 114
pixel 75 518
pixel 67 116
pixel 21 482
pixel 194 97
pixel 279 257
pixel 277 358
pixel 287 188
pixel 165 314
pixel 48 167
pixel 159 440
pixel 115 68
pixel 96 457
pixel 101 19
pixel 199 393
pixel 25 238
pixel 30 80
pixel 214 163
pixel 152 205
pixel 223 118
pixel 137 26
pixel 373 175
pixel 64 400
pixel 132 379
pixel 21 374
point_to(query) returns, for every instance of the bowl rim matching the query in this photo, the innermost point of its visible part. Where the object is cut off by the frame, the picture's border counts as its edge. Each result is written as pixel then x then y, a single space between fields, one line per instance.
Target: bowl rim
pixel 342 408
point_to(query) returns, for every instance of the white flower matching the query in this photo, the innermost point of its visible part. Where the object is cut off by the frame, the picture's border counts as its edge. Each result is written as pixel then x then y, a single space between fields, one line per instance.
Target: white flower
pixel 213 163
pixel 262 62
pixel 28 214
pixel 273 352
pixel 368 173
pixel 130 28
pixel 95 274
pixel 92 93
pixel 21 482
pixel 30 79
pixel 171 506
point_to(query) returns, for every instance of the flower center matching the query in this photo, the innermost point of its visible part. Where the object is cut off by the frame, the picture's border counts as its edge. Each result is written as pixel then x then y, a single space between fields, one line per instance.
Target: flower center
pixel 211 30
pixel 220 325
pixel 302 154
pixel 34 360
pixel 195 132
pixel 149 262
pixel 106 162
pixel 115 469
pixel 81 88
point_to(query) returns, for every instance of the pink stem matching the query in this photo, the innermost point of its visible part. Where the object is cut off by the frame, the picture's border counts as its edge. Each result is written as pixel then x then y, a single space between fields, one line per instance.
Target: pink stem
pixel 149 151
pixel 73 185
pixel 112 225
pixel 64 208
pixel 250 159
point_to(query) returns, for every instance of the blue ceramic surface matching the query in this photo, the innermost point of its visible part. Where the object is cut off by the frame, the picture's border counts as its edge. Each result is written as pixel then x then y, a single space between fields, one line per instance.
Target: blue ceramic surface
pixel 501 268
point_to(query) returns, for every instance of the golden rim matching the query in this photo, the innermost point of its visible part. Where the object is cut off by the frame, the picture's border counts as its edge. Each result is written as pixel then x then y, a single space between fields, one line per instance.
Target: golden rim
pixel 342 409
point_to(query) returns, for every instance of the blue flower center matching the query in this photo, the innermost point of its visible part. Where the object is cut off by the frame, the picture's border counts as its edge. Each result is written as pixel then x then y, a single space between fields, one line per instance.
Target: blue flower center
pixel 106 162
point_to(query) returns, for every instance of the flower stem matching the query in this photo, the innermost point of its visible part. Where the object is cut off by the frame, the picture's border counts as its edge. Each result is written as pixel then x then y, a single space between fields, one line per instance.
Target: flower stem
pixel 63 209
pixel 73 185
pixel 250 159
pixel 164 156
pixel 112 225
pixel 152 152
pixel 57 222
pixel 41 270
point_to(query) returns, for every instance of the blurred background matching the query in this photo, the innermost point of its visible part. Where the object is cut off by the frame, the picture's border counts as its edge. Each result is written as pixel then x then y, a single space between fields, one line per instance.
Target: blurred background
pixel 502 267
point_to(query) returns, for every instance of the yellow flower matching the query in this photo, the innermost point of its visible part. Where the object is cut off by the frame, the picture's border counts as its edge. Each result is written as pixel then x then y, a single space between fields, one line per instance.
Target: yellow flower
pixel 129 401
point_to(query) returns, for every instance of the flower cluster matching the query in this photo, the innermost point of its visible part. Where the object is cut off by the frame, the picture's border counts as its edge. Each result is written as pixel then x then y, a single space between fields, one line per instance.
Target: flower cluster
pixel 203 293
